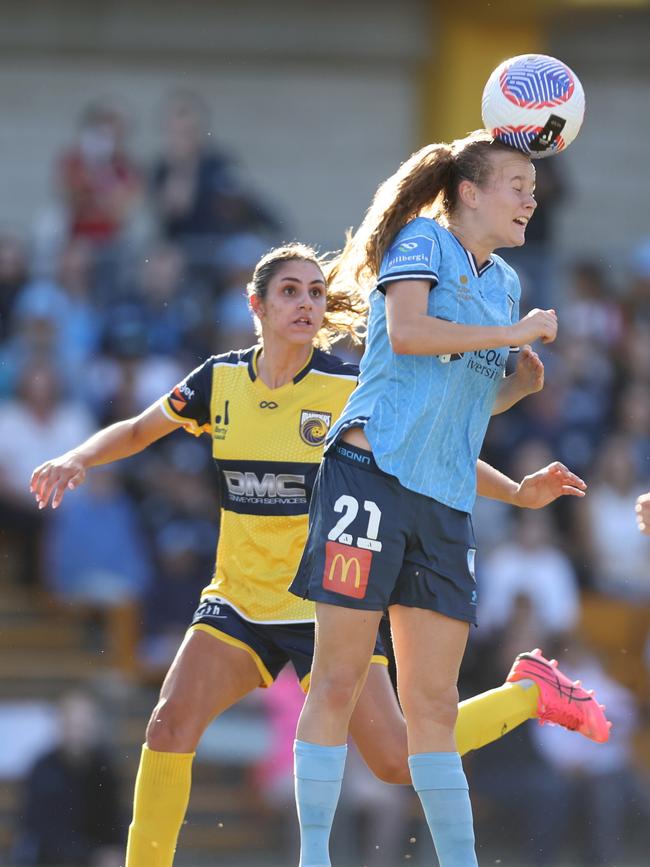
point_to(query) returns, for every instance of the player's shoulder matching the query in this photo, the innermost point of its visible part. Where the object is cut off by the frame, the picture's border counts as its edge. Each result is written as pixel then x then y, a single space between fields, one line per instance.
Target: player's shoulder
pixel 233 358
pixel 332 365
pixel 421 227
pixel 202 375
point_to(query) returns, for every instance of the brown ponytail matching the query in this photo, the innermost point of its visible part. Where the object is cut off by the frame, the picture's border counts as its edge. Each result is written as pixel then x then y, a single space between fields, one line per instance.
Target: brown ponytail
pixel 427 183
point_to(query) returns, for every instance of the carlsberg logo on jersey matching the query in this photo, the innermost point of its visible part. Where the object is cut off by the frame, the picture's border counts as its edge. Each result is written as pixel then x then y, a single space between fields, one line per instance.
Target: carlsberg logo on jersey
pixel 282 488
pixel 409 254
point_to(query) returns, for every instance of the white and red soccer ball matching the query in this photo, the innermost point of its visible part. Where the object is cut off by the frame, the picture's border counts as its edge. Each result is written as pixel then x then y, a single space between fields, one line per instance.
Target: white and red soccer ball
pixel 534 103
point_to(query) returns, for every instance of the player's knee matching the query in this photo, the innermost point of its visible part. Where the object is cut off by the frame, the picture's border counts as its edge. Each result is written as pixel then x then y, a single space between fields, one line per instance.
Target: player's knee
pixel 170 730
pixel 439 705
pixel 338 691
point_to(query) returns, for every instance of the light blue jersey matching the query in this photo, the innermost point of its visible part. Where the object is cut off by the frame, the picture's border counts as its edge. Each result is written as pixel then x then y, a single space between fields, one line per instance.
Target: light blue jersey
pixel 425 416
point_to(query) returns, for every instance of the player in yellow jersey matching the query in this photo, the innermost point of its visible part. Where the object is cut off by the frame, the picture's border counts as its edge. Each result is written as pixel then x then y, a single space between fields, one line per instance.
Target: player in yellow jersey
pixel 267 410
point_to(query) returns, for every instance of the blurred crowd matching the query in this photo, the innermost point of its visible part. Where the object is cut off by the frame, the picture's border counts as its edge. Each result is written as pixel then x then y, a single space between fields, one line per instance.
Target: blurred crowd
pixel 139 272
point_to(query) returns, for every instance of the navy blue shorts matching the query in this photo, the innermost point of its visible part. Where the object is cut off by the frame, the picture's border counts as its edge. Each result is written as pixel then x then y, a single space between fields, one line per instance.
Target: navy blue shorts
pixel 373 543
pixel 270 645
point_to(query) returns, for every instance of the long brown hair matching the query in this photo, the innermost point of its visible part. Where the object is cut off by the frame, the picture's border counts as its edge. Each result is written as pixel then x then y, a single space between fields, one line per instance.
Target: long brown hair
pixel 346 307
pixel 425 183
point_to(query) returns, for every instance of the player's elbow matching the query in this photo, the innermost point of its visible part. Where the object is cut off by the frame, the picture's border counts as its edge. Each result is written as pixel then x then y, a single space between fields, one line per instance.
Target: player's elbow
pixel 401 339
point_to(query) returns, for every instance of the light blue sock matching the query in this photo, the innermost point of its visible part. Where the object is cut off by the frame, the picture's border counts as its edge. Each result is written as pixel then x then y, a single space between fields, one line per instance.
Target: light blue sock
pixel 318 773
pixel 440 782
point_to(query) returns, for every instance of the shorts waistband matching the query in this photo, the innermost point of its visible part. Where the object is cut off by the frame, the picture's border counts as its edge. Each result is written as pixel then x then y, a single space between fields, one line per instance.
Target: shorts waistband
pixel 355 456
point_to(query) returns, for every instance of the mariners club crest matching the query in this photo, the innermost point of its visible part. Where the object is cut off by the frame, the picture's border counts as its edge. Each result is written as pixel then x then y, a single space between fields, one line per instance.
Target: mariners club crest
pixel 314 426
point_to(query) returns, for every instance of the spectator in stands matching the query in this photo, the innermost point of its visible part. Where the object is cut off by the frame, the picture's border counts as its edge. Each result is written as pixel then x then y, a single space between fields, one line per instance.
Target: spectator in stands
pixel 618 557
pixel 633 356
pixel 70 813
pixel 637 295
pixel 112 564
pixel 590 308
pixel 14 273
pixel 598 794
pixel 125 377
pixel 39 419
pixel 111 571
pixel 62 311
pixel 236 259
pixel 633 421
pixel 531 565
pixel 167 305
pixel 98 180
pixel 198 197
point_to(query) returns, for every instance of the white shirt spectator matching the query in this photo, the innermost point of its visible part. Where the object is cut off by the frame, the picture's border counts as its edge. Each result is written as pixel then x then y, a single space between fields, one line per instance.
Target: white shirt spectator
pixel 530 566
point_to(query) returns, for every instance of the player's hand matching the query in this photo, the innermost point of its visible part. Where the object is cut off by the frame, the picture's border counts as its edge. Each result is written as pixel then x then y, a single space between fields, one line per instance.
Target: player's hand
pixel 529 371
pixel 55 477
pixel 536 325
pixel 546 485
pixel 642 509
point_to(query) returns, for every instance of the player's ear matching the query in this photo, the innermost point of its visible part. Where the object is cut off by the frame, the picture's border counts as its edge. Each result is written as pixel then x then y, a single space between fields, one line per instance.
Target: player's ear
pixel 468 194
pixel 257 305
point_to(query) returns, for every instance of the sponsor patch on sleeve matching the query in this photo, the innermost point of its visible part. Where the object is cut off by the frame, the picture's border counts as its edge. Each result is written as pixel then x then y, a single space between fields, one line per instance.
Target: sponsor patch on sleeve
pixel 411 254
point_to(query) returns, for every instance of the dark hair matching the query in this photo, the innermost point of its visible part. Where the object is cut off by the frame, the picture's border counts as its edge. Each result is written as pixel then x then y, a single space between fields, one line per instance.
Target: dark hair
pixel 345 311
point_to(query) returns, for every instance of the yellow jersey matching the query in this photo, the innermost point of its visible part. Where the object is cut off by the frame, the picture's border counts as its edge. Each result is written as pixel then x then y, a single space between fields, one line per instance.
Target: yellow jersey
pixel 267 445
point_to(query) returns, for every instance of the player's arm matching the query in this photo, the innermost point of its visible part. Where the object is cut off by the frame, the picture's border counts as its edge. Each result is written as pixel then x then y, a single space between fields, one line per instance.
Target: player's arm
pixel 119 440
pixel 412 331
pixel 643 513
pixel 534 491
pixel 527 378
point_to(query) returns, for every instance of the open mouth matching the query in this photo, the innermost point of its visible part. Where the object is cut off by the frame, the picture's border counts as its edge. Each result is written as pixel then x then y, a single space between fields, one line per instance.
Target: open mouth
pixel 302 320
pixel 521 221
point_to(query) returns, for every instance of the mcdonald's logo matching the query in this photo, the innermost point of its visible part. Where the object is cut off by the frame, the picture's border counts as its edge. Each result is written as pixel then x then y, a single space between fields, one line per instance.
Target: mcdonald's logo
pixel 346 570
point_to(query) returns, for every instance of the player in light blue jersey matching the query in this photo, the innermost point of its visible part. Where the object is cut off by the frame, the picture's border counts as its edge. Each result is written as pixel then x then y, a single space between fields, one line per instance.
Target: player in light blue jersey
pixel 412 408
pixel 390 522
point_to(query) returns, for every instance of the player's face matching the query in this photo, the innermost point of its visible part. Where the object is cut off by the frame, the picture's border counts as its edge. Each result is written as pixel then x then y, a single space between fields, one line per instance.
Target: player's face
pixel 507 200
pixel 295 302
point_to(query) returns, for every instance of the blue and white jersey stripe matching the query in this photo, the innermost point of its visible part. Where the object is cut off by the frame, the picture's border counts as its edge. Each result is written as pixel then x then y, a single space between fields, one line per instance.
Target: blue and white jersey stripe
pixel 426 416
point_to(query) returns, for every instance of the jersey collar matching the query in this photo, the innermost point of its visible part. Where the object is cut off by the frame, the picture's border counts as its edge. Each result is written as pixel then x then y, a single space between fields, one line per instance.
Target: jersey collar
pixel 252 365
pixel 471 258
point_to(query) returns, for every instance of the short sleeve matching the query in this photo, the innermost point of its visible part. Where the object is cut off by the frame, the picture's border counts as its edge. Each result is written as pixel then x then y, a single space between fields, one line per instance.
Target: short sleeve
pixel 413 255
pixel 188 403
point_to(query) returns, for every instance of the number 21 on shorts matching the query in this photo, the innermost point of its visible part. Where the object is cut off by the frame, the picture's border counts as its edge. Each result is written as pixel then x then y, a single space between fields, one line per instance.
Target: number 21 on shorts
pixel 347 566
pixel 350 508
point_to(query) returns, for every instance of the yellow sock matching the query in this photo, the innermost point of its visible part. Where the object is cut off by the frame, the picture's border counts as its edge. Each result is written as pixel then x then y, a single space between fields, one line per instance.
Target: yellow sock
pixel 489 716
pixel 162 790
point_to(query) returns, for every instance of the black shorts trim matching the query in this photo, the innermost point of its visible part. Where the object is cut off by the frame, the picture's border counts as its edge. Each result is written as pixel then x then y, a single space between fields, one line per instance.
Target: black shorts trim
pixel 271 646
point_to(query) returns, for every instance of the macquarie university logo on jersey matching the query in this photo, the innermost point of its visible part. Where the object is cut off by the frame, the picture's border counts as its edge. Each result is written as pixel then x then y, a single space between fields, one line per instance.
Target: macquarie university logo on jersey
pixel 487 362
pixel 314 426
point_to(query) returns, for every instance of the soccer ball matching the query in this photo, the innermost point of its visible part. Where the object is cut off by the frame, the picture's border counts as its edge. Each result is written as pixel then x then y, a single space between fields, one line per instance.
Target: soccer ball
pixel 533 103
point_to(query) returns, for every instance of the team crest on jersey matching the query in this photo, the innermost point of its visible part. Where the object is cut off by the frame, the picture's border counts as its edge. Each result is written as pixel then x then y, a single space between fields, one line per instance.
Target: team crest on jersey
pixel 464 291
pixel 314 426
